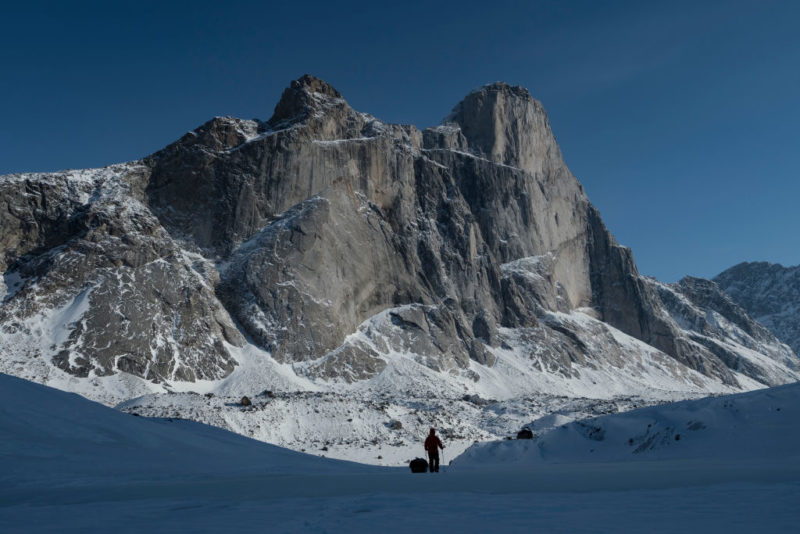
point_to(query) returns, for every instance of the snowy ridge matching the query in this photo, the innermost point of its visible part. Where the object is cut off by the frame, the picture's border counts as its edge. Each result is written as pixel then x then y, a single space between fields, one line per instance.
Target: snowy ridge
pixel 710 320
pixel 77 179
pixel 770 293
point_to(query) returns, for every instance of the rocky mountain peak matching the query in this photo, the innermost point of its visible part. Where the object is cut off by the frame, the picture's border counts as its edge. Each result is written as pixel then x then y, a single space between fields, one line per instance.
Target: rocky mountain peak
pixel 216 135
pixel 516 91
pixel 303 95
pixel 504 124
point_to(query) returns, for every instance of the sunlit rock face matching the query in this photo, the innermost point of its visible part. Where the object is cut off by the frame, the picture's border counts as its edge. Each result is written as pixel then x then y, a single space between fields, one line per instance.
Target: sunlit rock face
pixel 332 239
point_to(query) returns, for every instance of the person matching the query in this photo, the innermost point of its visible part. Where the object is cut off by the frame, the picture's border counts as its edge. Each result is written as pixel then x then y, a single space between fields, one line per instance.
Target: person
pixel 432 446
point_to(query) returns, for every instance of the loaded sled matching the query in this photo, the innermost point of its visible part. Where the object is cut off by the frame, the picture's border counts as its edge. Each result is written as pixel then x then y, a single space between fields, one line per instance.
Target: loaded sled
pixel 418 465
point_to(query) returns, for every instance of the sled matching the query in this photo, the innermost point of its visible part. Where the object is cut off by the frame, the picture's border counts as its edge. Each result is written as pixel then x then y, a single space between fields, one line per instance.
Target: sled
pixel 418 465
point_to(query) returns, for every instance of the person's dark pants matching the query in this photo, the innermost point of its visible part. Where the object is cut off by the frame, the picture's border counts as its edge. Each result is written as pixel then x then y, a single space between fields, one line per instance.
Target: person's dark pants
pixel 434 462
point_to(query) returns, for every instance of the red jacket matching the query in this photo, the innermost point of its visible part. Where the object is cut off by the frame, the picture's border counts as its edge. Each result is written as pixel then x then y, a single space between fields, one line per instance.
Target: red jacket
pixel 433 444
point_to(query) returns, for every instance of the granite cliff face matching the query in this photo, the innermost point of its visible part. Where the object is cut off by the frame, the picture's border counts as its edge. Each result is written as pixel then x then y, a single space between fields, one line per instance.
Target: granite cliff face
pixel 336 242
pixel 770 293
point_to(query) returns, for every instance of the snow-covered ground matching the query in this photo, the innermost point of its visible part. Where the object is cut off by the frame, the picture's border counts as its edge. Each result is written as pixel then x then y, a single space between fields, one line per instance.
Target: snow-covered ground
pixel 70 465
pixel 375 428
pixel 382 420
pixel 742 428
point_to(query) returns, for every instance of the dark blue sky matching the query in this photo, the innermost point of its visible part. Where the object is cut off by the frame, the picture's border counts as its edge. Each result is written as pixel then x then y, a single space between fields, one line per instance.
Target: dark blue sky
pixel 681 119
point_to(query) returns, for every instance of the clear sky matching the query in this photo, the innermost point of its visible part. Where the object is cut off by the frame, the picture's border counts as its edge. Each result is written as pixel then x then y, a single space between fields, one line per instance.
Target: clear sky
pixel 681 119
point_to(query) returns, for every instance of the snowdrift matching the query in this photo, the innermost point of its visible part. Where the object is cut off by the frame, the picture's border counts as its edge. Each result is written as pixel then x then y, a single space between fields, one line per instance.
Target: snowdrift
pixel 762 424
pixel 55 438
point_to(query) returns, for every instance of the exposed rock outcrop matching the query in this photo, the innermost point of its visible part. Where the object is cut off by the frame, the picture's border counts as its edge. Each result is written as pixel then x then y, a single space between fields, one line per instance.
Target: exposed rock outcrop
pixel 101 286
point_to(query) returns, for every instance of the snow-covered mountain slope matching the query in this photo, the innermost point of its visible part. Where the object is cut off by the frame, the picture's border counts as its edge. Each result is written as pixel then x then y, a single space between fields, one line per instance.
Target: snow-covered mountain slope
pixel 99 287
pixel 710 320
pixel 381 420
pixel 749 426
pixel 68 465
pixel 770 293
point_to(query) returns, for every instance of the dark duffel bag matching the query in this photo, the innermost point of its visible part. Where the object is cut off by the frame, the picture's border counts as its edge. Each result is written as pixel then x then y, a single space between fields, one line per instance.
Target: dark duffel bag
pixel 418 465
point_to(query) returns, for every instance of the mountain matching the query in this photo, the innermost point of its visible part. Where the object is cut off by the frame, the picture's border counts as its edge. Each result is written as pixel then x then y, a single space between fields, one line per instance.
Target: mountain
pixel 325 250
pixel 770 293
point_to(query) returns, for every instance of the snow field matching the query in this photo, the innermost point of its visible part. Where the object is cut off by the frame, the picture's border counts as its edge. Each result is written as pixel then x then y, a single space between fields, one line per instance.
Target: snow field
pixel 375 429
pixel 70 465
pixel 749 427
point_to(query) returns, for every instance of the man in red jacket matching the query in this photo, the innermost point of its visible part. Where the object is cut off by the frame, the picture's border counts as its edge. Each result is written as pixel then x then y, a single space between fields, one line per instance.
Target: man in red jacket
pixel 432 446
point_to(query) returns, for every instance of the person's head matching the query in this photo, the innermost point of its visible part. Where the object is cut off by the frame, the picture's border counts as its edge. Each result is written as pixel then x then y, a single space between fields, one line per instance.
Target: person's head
pixel 433 431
